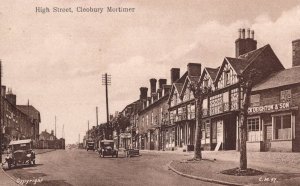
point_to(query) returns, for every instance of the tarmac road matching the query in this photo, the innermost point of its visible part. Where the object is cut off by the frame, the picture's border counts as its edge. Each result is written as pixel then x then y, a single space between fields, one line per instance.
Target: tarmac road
pixel 79 167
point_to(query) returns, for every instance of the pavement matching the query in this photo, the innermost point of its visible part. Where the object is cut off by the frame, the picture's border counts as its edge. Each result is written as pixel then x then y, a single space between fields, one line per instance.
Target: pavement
pixel 279 168
pixel 6 179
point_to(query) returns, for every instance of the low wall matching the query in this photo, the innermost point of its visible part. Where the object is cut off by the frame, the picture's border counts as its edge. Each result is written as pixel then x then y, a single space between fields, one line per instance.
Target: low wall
pixel 282 146
pixel 255 146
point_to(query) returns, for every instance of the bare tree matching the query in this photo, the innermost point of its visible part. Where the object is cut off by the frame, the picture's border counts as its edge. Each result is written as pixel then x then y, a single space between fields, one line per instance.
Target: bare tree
pixel 199 94
pixel 246 81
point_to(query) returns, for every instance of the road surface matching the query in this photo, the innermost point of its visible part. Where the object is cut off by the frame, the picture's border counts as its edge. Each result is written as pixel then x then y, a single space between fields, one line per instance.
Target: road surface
pixel 82 168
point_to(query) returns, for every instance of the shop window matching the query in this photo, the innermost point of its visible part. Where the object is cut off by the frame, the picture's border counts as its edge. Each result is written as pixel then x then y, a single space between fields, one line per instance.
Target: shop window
pixel 254 132
pixel 282 127
pixel 285 96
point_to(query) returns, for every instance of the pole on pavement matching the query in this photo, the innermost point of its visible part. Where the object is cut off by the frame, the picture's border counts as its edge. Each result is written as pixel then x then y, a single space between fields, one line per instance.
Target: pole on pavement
pixel 106 80
pixel 1 119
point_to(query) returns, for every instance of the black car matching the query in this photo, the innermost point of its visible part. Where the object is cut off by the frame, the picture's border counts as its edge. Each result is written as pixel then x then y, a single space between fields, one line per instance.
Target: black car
pixel 21 153
pixel 107 149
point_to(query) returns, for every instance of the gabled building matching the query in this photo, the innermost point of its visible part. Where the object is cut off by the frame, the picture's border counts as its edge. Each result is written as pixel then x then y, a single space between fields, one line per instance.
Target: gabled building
pixel 181 129
pixel 223 102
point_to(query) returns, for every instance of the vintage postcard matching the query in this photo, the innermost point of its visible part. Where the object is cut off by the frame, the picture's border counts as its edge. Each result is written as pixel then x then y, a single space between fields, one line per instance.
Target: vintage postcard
pixel 161 92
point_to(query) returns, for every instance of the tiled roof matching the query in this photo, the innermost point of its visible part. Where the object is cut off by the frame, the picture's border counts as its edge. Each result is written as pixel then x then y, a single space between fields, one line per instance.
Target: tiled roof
pixel 194 78
pixel 238 64
pixel 285 77
pixel 212 72
pixel 253 54
pixel 30 111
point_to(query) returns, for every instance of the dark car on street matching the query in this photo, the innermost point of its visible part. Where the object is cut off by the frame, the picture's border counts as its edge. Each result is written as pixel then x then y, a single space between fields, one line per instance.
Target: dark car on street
pixel 90 146
pixel 107 149
pixel 20 153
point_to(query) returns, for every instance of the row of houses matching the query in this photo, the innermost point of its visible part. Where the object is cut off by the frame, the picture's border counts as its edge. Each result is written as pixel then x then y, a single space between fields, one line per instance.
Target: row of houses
pixel 18 121
pixel 165 119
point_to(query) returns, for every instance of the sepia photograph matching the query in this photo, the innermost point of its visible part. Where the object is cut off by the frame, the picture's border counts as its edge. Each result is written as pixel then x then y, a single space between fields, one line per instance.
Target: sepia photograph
pixel 149 93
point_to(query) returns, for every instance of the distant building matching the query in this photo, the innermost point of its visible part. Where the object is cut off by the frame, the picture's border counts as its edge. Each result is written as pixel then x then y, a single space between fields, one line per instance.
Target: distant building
pixel 49 141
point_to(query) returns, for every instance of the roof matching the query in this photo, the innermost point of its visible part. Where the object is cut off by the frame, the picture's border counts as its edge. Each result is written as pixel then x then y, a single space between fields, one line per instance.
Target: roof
pixel 20 142
pixel 238 64
pixel 285 77
pixel 29 110
pixel 212 72
pixel 193 78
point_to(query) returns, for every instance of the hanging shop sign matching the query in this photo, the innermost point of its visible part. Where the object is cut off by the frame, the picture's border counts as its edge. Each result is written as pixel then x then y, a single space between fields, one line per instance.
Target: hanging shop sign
pixel 266 108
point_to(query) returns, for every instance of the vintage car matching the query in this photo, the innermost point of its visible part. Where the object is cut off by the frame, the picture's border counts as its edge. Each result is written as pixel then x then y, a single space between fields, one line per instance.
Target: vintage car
pixel 21 153
pixel 90 146
pixel 107 149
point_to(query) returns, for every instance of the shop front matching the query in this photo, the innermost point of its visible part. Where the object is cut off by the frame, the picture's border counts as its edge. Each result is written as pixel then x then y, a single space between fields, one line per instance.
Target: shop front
pixel 271 127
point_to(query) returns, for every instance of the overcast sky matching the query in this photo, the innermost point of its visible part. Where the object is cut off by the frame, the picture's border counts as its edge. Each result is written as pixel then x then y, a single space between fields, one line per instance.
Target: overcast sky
pixel 56 60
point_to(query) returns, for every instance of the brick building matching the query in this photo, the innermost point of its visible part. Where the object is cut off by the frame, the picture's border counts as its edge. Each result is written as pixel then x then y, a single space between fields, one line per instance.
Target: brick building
pixel 19 121
pixel 153 115
pixel 274 122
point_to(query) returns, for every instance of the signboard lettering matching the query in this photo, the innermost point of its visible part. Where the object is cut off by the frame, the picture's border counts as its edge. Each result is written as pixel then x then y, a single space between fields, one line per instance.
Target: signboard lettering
pixel 273 107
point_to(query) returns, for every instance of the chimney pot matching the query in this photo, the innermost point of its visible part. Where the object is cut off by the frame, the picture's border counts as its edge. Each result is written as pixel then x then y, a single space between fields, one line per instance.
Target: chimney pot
pixel 252 34
pixel 162 82
pixel 143 93
pixel 240 33
pixel 243 33
pixel 296 52
pixel 248 33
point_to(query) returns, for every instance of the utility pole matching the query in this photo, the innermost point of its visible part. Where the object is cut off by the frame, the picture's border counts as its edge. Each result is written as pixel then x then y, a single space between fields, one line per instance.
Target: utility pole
pixel 88 137
pixel 97 116
pixel 55 134
pixel 1 119
pixel 106 80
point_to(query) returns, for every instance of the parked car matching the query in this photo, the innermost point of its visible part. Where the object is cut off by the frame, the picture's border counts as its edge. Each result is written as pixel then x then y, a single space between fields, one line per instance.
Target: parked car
pixel 20 152
pixel 107 149
pixel 90 146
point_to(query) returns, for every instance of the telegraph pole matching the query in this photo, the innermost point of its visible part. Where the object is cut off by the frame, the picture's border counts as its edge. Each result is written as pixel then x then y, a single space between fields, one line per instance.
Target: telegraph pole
pixel 106 80
pixel 55 134
pixel 1 119
pixel 97 116
pixel 88 137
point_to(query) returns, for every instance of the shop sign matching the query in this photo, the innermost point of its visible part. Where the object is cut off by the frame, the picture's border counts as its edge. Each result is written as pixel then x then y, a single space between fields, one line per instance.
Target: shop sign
pixel 265 108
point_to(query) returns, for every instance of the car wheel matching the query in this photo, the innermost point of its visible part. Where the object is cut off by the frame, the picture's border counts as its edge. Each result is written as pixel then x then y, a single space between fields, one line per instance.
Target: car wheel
pixel 117 155
pixel 29 162
pixel 33 162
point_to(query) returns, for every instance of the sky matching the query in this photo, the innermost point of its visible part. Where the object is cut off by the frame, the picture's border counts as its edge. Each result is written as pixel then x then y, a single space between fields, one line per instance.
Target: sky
pixel 56 60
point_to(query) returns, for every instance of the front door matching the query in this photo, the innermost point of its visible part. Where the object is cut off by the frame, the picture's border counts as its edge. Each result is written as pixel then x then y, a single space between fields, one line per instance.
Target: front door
pixel 267 137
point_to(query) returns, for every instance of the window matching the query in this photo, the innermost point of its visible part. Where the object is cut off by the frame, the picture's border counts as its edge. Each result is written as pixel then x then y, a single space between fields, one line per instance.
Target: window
pixel 227 77
pixel 253 124
pixel 254 131
pixel 282 127
pixel 255 100
pixel 234 99
pixel 152 118
pixel 147 118
pixel 216 104
pixel 285 95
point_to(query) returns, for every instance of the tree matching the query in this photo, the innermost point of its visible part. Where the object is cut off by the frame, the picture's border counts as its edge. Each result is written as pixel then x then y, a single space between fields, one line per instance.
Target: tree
pixel 199 94
pixel 119 124
pixel 247 81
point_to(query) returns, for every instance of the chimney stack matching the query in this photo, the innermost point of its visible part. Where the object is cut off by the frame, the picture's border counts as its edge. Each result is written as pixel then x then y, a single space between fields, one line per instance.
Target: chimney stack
pixel 153 85
pixel 162 82
pixel 244 45
pixel 143 93
pixel 175 74
pixel 296 52
pixel 194 69
pixel 12 98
